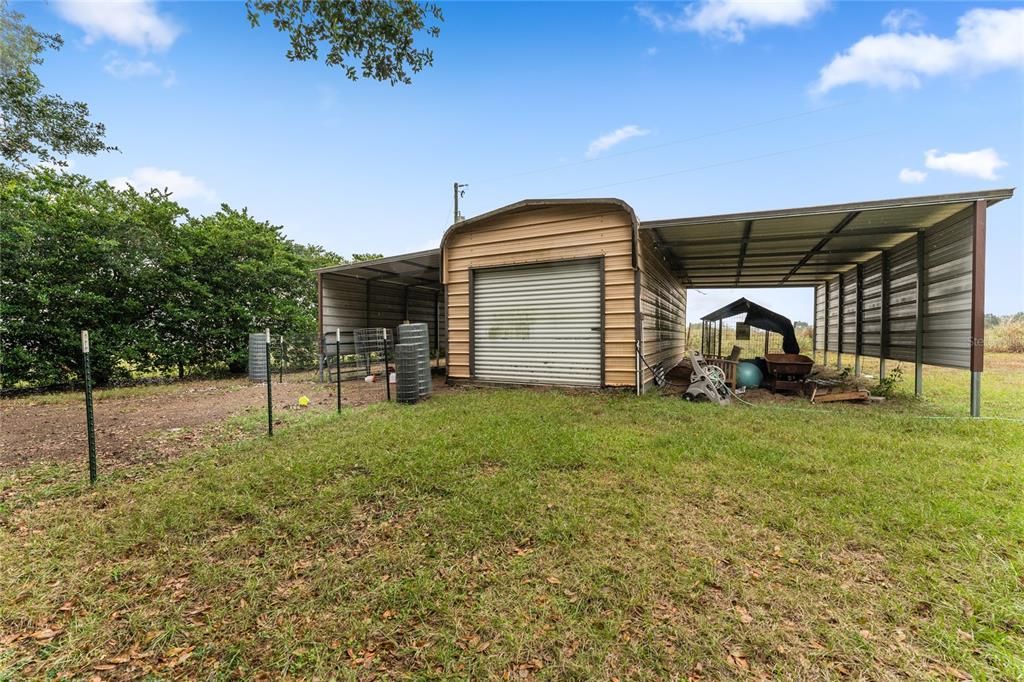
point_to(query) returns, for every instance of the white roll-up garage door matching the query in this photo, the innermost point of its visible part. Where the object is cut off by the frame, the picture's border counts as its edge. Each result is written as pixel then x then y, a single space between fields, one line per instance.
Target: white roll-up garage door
pixel 538 324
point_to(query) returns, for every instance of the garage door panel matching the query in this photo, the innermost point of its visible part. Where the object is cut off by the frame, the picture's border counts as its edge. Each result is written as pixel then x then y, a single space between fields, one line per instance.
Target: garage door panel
pixel 538 324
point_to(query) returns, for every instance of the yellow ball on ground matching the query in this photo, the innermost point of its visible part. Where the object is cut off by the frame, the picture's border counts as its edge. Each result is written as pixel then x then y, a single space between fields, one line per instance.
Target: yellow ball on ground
pixel 303 401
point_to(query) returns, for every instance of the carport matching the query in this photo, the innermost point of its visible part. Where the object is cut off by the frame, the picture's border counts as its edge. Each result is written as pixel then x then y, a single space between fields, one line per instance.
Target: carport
pixel 381 293
pixel 897 279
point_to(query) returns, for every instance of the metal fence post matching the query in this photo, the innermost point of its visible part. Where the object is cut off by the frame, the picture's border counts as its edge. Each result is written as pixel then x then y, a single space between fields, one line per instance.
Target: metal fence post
pixel 270 400
pixel 387 371
pixel 280 369
pixel 90 424
pixel 337 365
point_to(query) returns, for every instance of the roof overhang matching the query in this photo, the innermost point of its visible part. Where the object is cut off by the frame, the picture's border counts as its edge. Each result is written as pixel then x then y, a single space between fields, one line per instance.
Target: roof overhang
pixel 799 246
pixel 421 269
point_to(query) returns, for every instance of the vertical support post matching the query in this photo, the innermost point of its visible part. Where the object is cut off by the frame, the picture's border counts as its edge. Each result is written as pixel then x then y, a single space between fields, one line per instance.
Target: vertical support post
pixel 719 338
pixel 883 336
pixel 405 304
pixel 922 299
pixel 437 329
pixel 270 382
pixel 839 327
pixel 859 331
pixel 814 324
pixel 90 423
pixel 337 366
pixel 824 359
pixel 280 368
pixel 978 305
pixel 766 335
pixel 387 370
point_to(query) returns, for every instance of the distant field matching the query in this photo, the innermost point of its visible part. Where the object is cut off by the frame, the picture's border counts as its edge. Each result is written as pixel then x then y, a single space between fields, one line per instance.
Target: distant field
pixel 531 533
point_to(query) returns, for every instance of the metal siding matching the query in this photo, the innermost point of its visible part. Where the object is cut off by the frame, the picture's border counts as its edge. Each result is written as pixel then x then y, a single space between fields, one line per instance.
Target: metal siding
pixel 948 266
pixel 871 308
pixel 538 324
pixel 819 317
pixel 833 315
pixel 662 309
pixel 849 330
pixel 903 301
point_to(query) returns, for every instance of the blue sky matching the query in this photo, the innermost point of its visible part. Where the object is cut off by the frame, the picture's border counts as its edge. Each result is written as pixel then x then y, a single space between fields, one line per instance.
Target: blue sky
pixel 848 98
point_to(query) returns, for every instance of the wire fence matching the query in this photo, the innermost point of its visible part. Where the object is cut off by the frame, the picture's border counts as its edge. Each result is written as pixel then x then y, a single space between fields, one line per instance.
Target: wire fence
pixel 753 342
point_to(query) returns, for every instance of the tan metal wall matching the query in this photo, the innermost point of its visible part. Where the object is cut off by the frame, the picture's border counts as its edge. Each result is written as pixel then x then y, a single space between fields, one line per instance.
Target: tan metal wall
pixel 663 310
pixel 547 234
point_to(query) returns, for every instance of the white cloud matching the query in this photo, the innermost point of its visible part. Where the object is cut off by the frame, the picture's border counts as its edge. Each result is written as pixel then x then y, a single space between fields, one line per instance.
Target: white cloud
pixel 985 40
pixel 181 186
pixel 903 20
pixel 609 140
pixel 912 177
pixel 651 51
pixel 981 163
pixel 135 23
pixel 731 19
pixel 119 67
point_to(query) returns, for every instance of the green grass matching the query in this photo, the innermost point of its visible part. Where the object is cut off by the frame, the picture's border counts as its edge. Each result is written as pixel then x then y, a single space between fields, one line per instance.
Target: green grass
pixel 566 536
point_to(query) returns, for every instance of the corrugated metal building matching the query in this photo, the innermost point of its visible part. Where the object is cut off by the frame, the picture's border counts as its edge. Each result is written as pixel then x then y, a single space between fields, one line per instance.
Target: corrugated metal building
pixel 579 292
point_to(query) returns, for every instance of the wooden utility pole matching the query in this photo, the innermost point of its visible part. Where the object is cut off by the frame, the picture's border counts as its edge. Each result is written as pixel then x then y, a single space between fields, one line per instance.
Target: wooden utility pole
pixel 457 192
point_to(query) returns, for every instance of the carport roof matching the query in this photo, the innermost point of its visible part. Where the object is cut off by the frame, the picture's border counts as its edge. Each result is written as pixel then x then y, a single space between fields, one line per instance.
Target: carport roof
pixel 422 269
pixel 798 246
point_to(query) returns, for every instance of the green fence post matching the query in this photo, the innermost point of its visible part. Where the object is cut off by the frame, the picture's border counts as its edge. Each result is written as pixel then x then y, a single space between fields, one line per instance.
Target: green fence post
pixel 270 400
pixel 337 365
pixel 90 424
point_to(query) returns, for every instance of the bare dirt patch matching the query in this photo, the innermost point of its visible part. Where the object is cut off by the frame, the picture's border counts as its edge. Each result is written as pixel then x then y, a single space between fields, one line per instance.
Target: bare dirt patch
pixel 150 427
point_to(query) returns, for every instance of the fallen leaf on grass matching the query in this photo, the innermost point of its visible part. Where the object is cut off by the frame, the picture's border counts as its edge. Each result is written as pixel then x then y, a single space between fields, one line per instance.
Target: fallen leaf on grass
pixel 738 659
pixel 45 634
pixel 553 580
pixel 744 615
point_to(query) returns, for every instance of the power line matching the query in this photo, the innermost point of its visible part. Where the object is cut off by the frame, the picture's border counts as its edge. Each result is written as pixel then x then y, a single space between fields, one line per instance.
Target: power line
pixel 670 143
pixel 719 163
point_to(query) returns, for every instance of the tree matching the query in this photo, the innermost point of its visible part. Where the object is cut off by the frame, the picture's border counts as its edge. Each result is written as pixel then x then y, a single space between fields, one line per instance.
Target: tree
pixel 156 288
pixel 34 125
pixel 241 275
pixel 378 34
pixel 359 257
pixel 79 255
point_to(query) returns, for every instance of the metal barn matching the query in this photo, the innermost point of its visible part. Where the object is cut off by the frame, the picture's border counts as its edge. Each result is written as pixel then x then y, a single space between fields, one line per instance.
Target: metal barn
pixel 580 292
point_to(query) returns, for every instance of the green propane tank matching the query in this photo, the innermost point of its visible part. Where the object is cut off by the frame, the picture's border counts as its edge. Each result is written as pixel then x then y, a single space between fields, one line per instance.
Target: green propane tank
pixel 748 375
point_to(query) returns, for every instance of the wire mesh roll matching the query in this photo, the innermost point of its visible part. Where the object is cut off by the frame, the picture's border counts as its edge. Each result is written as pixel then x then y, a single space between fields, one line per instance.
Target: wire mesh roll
pixel 258 356
pixel 417 335
pixel 407 385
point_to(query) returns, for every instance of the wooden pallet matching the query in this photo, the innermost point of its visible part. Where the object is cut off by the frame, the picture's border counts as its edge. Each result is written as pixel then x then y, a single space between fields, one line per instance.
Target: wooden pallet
pixel 826 394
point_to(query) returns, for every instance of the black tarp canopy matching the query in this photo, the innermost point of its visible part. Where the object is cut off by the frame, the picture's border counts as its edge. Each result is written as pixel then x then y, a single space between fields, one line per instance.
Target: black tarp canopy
pixel 760 317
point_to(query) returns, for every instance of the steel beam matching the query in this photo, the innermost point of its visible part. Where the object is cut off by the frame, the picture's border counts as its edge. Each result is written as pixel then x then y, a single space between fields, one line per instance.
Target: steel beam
pixel 847 219
pixel 864 232
pixel 743 248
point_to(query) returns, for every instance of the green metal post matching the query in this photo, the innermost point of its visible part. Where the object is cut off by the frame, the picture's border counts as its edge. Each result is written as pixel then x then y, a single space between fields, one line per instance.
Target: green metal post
pixel 90 424
pixel 270 399
pixel 337 366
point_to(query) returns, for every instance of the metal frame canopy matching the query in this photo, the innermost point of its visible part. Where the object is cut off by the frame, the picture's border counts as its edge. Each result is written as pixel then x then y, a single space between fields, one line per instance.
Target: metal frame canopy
pixel 900 279
pixel 799 247
pixel 419 269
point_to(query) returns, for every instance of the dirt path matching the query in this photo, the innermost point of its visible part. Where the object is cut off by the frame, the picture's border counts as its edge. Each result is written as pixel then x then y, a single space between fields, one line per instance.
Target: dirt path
pixel 154 426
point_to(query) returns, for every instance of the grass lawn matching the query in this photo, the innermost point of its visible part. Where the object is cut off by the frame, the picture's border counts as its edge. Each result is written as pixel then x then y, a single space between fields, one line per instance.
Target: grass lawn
pixel 492 533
